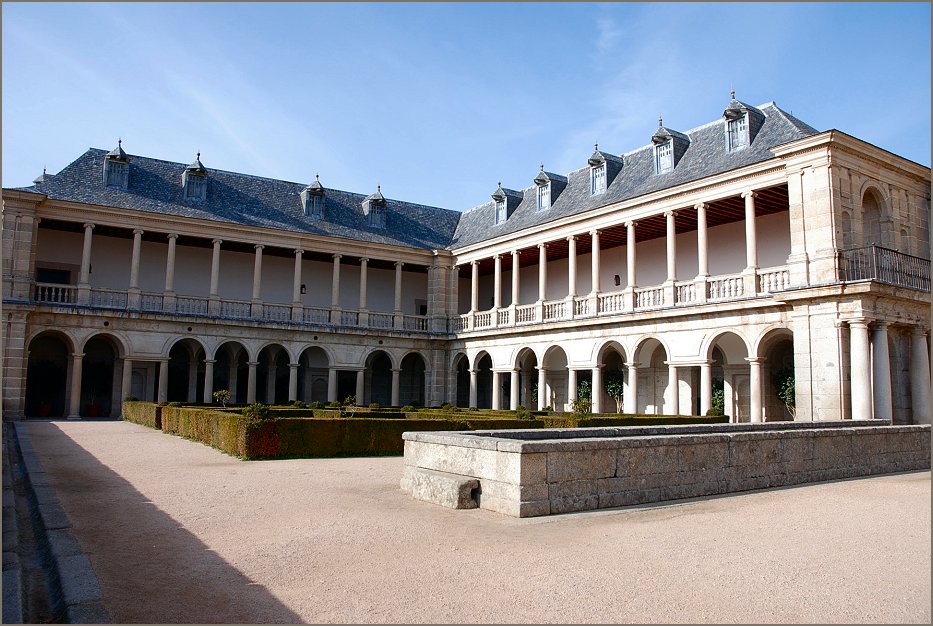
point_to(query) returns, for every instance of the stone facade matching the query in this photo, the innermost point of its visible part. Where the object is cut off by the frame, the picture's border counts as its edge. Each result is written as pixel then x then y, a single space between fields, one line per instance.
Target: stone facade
pixel 809 253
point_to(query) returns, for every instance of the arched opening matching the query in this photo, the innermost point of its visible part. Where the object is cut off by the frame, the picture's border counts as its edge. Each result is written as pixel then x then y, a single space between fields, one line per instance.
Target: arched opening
pixel 411 380
pixel 46 377
pixel 231 371
pixel 272 375
pixel 378 380
pixel 97 383
pixel 185 371
pixel 614 378
pixel 556 392
pixel 313 375
pixel 527 364
pixel 484 381
pixel 462 382
pixel 730 374
pixel 871 218
pixel 778 383
pixel 652 381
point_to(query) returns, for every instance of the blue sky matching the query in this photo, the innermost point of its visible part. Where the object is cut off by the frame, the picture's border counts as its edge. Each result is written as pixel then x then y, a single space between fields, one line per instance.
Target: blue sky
pixel 439 102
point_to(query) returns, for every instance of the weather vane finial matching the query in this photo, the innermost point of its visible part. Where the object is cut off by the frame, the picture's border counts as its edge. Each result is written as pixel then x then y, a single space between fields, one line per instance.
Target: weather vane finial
pixel 660 121
pixel 732 90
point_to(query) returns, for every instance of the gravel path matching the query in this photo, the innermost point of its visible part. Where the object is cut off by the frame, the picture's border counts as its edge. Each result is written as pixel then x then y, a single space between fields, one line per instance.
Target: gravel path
pixel 179 532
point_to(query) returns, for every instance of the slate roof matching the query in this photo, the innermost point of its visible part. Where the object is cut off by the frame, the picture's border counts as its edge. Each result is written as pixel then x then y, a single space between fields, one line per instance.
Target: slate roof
pixel 155 187
pixel 705 156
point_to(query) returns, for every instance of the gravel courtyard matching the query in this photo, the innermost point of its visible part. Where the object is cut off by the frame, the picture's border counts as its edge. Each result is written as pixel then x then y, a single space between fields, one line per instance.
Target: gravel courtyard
pixel 179 532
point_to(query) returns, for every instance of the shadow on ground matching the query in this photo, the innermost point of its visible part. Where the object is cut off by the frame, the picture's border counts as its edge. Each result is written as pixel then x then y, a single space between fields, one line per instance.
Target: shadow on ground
pixel 145 559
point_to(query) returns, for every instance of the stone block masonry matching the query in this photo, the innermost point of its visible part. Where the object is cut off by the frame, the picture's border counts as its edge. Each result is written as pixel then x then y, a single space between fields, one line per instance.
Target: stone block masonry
pixel 543 472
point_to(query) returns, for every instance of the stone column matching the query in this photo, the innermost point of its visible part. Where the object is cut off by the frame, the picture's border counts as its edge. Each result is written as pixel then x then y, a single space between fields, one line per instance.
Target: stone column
pixel 542 272
pixel 398 286
pixel 162 395
pixel 233 375
pixel 628 296
pixel 209 380
pixel 251 381
pixel 453 303
pixel 496 381
pixel 271 372
pixel 920 376
pixel 542 389
pixel 571 267
pixel 630 397
pixel 134 261
pixel 74 409
pixel 474 286
pixel 881 372
pixel 671 246
pixel 750 274
pixel 596 393
pixel 297 314
pixel 516 286
pixel 364 266
pixel 595 287
pixel 754 387
pixel 497 282
pixel 473 389
pixel 126 382
pixel 335 283
pixel 331 384
pixel 256 305
pixel 571 386
pixel 861 369
pixel 673 386
pixel 360 387
pixel 168 297
pixel 293 381
pixel 513 391
pixel 84 280
pixel 192 379
pixel 395 387
pixel 215 268
pixel 702 246
pixel 706 387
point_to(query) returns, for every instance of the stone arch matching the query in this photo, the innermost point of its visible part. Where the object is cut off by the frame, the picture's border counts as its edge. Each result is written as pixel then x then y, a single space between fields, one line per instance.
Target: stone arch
pixel 185 370
pixel 730 373
pixel 483 368
pixel 231 369
pixel 526 362
pixel 314 374
pixel 556 379
pixel 272 373
pixel 776 348
pixel 651 355
pixel 412 368
pixel 47 371
pixel 873 210
pixel 100 387
pixel 460 383
pixel 610 358
pixel 377 379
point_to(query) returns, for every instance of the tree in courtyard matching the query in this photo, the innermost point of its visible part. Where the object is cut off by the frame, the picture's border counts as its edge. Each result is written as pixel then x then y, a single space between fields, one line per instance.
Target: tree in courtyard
pixel 614 384
pixel 784 385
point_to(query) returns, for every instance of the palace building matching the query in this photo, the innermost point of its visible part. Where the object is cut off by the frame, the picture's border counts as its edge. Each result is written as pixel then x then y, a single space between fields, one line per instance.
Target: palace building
pixel 706 264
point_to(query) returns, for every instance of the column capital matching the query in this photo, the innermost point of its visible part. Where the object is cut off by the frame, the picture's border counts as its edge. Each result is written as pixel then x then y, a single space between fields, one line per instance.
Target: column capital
pixel 294 365
pixel 700 206
pixel 138 231
pixel 630 224
pixel 298 252
pixel 756 359
pixel 594 233
pixel 259 246
pixel 881 325
pixel 571 238
pixel 633 366
pixel 217 242
pixel 172 236
pixel 474 263
pixel 337 257
pixel 399 263
pixel 88 225
pixel 496 257
pixel 920 330
pixel 516 253
pixel 542 246
pixel 211 361
pixel 748 193
pixel 453 268
pixel 77 355
pixel 253 363
pixel 670 213
pixel 364 259
pixel 860 322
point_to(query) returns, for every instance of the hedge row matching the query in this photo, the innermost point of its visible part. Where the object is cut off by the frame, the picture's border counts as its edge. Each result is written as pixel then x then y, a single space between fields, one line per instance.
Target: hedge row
pixel 375 434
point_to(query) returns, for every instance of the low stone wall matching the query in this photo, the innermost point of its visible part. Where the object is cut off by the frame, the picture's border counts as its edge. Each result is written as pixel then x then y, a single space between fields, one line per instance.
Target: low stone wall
pixel 543 472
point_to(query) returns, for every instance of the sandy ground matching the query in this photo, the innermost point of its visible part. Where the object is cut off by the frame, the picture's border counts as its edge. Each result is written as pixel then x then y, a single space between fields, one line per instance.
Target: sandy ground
pixel 179 532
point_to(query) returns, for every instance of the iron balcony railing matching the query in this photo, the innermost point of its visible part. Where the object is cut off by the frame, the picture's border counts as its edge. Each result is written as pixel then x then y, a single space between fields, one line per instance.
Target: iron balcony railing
pixel 885 266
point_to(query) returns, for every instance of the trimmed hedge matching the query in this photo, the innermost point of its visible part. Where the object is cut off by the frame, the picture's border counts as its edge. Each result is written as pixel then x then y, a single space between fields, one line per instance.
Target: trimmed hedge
pixel 324 432
pixel 143 413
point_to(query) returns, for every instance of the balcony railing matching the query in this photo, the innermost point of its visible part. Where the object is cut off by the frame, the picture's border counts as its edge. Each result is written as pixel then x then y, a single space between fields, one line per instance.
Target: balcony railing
pixel 55 294
pixel 885 266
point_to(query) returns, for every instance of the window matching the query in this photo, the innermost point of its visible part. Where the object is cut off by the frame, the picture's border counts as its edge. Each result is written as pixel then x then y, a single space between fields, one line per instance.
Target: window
pixel 377 215
pixel 195 187
pixel 737 132
pixel 664 157
pixel 116 173
pixel 314 206
pixel 502 213
pixel 598 179
pixel 544 196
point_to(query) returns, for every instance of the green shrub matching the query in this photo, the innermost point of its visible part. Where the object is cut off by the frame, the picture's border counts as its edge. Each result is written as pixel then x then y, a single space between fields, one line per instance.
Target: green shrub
pixel 447 407
pixel 223 396
pixel 334 404
pixel 523 414
pixel 349 401
pixel 131 399
pixel 317 404
pixel 374 405
pixel 407 408
pixel 256 411
pixel 298 404
pixel 714 412
pixel 174 403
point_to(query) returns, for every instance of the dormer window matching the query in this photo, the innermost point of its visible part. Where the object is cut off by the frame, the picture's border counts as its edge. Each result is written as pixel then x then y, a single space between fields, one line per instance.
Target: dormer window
pixel 597 179
pixel 116 167
pixel 544 196
pixel 664 157
pixel 502 212
pixel 374 208
pixel 737 132
pixel 194 180
pixel 312 200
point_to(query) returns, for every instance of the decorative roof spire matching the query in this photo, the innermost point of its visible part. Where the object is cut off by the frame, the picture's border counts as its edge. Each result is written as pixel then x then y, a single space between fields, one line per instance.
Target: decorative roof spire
pixel 732 91
pixel 197 165
pixel 660 121
pixel 118 153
